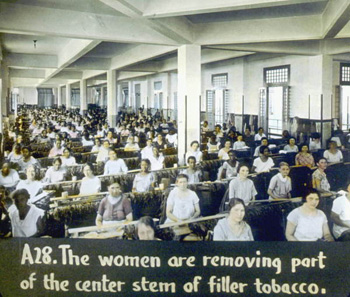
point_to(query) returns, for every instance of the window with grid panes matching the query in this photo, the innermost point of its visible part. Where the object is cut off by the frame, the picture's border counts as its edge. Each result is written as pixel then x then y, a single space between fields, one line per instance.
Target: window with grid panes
pixel 219 80
pixel 277 75
pixel 344 73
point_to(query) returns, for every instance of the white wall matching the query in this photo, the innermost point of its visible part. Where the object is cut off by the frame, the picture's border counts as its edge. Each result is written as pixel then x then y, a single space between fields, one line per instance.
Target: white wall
pixel 310 76
pixel 28 96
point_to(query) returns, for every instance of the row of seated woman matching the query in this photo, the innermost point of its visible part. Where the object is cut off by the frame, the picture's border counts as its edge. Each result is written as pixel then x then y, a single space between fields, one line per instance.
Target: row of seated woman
pixel 213 203
pixel 262 221
pixel 300 176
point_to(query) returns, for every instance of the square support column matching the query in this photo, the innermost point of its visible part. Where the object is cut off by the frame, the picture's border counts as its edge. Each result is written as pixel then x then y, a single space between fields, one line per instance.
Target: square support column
pixel 83 99
pixel 189 91
pixel 112 102
pixel 68 97
pixel 59 97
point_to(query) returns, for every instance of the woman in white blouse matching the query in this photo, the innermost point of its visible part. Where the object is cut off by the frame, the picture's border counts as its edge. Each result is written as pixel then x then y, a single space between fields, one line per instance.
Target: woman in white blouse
pixel 264 162
pixel 55 173
pixel 90 184
pixel 195 152
pixel 333 154
pixel 307 223
pixel 67 159
pixel 143 181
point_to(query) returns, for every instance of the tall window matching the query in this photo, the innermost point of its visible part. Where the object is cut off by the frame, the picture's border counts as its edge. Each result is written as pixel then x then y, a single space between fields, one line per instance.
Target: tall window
pixel 45 97
pixel 344 94
pixel 75 100
pixel 274 100
pixel 158 95
pixel 217 100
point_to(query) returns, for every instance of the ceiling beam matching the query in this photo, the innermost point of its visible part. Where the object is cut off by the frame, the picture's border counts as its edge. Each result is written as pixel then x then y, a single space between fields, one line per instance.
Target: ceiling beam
pixel 18 82
pixel 171 8
pixel 335 16
pixel 88 74
pixel 262 30
pixel 207 56
pixel 123 75
pixel 27 73
pixel 91 63
pixel 75 49
pixel 73 24
pixel 178 29
pixel 29 61
pixel 139 54
pixel 310 47
pixel 336 46
pixel 69 75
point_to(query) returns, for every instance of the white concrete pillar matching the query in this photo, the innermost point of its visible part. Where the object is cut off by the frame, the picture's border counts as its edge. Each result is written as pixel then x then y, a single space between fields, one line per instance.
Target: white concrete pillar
pixel 189 90
pixel 320 82
pixel 59 97
pixel 131 94
pixel 112 102
pixel 4 74
pixel 83 97
pixel 101 95
pixel 68 96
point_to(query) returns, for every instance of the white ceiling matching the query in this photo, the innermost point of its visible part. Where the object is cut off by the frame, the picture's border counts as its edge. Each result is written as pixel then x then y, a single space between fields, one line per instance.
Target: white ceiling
pixel 20 43
pixel 82 39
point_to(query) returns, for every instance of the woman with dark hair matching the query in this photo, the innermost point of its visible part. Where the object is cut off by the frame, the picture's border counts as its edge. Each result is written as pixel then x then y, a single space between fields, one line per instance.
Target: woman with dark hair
pixel 111 138
pixel 195 152
pixel 291 146
pixel 143 181
pixel 86 141
pixel 90 184
pixel 304 158
pixel 319 178
pixel 26 219
pixel 333 154
pixel 160 143
pixel 9 178
pixel 229 168
pixel 307 223
pixel 233 228
pixel 182 203
pixel 146 229
pixel 264 162
pixel 96 148
pixel 157 160
pixel 55 173
pixel 16 155
pixel 242 187
pixel 67 159
pixel 223 153
pixel 115 207
pixel 194 174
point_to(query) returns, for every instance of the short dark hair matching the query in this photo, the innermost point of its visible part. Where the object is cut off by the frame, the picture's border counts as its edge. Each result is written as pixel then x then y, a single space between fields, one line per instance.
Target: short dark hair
pixel 308 192
pixel 233 202
pixel 262 148
pixel 147 221
pixel 57 159
pixel 20 192
pixel 191 158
